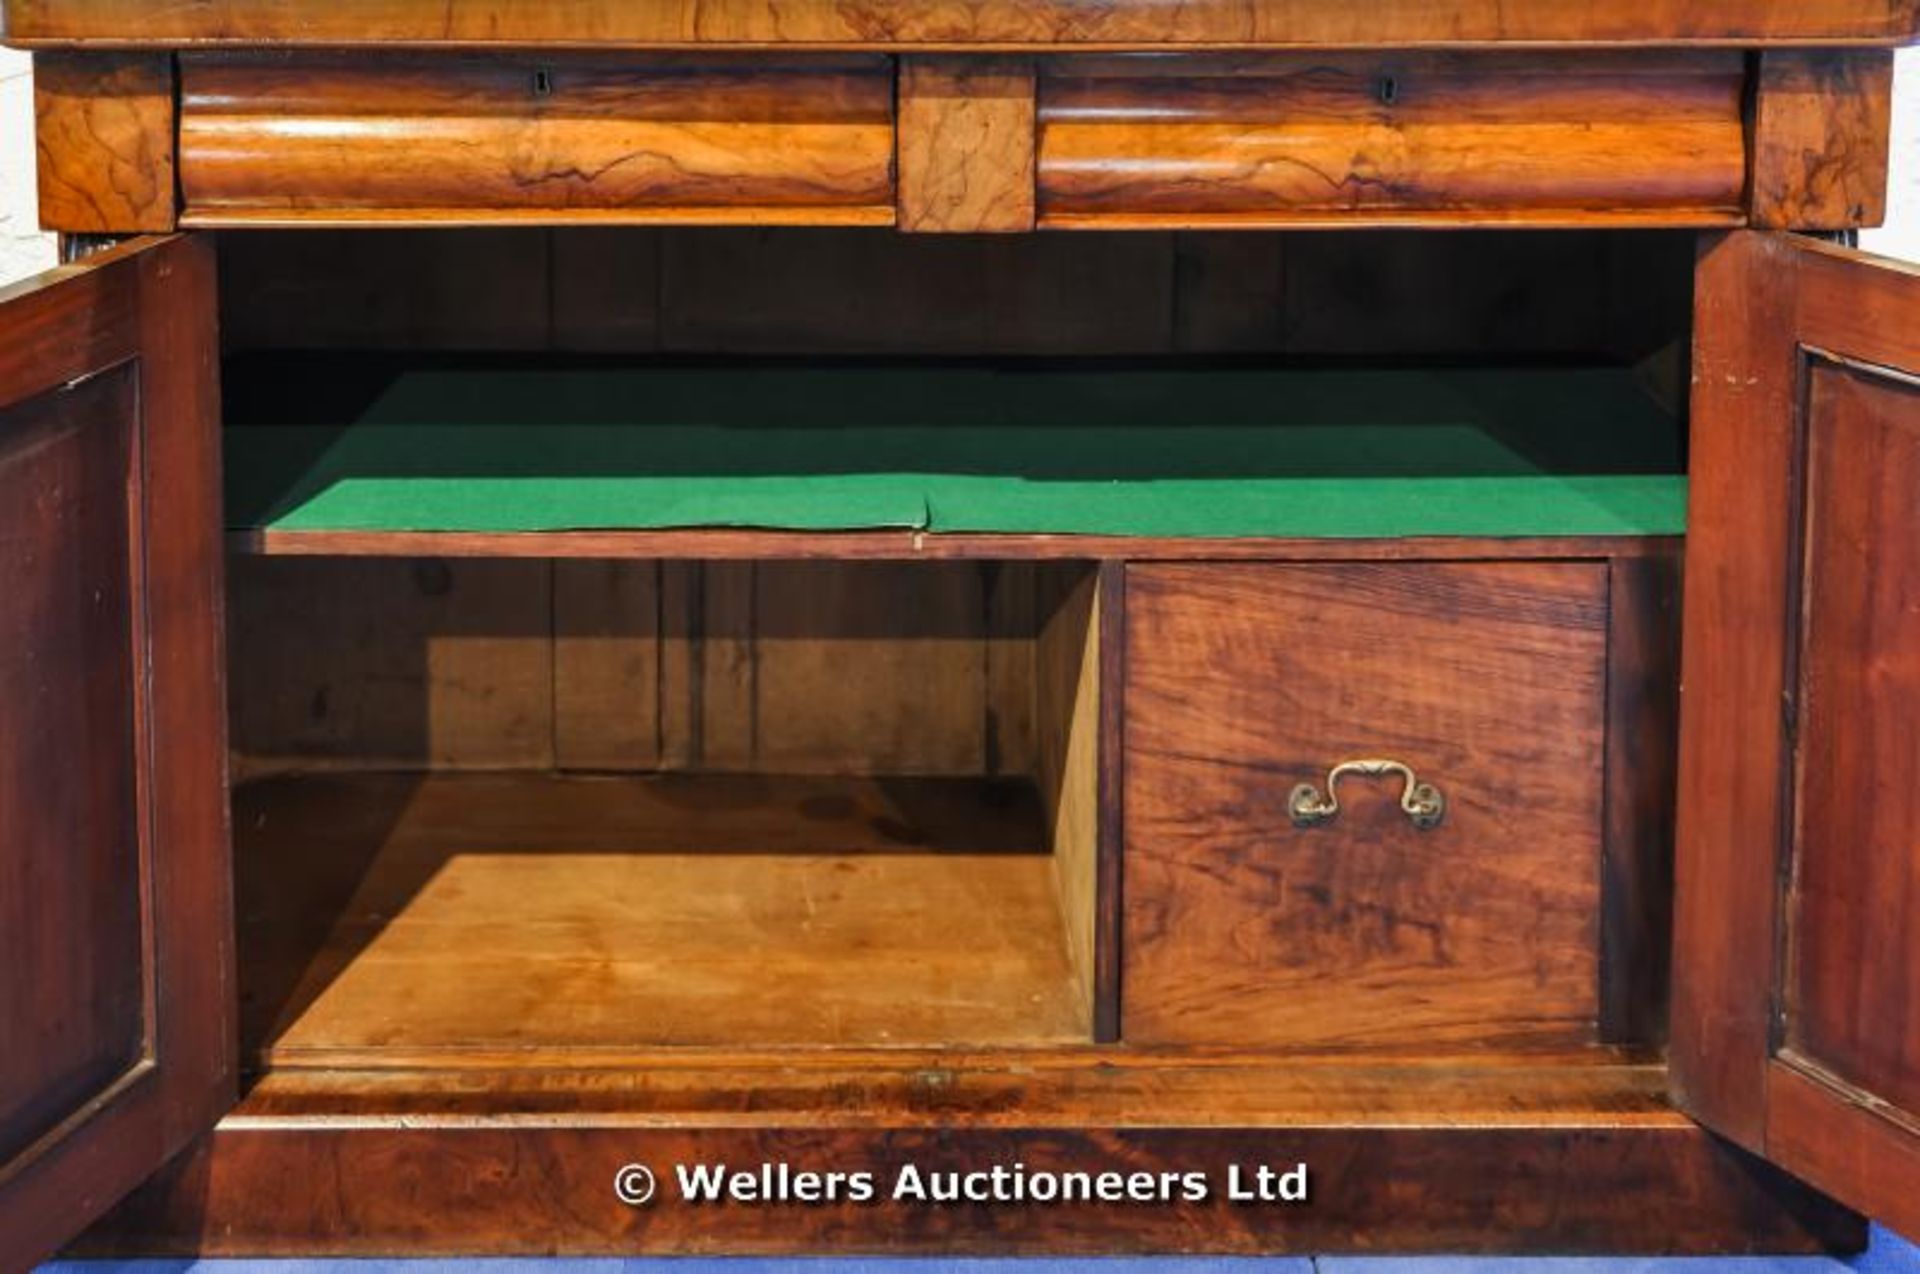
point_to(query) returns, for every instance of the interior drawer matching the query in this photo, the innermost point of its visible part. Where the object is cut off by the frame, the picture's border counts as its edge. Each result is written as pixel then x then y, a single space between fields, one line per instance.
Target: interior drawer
pixel 1534 138
pixel 1245 925
pixel 268 137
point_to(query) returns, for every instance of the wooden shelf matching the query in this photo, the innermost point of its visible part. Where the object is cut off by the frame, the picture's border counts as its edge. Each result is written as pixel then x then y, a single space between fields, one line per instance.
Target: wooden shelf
pixel 738 545
pixel 419 917
pixel 357 455
pixel 1116 1087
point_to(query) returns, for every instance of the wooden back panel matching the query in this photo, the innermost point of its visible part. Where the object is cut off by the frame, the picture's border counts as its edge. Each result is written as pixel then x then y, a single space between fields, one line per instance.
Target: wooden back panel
pixel 783 667
pixel 1617 295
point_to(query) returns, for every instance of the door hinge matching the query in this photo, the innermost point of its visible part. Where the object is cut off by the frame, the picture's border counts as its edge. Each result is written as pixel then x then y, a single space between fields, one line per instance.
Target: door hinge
pixel 78 247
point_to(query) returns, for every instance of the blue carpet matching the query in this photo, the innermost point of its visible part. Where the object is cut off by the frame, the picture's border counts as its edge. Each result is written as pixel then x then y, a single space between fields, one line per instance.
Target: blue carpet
pixel 1888 1255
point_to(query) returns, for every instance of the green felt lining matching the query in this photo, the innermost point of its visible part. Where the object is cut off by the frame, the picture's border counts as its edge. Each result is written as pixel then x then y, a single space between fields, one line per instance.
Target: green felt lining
pixel 322 443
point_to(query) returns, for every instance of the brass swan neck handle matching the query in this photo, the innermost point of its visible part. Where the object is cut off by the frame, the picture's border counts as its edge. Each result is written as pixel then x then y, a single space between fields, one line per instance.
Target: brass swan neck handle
pixel 1422 803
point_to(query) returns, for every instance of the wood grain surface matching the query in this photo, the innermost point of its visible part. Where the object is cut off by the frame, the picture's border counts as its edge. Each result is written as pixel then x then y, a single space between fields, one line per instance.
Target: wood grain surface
pixel 1733 667
pixel 962 23
pixel 769 684
pixel 1821 139
pixel 1643 710
pixel 398 663
pixel 966 144
pixel 394 137
pixel 1358 139
pixel 74 922
pixel 1489 680
pixel 104 139
pixel 606 665
pixel 1067 688
pixel 1116 1086
pixel 112 746
pixel 726 545
pixel 426 916
pixel 1794 957
pixel 1415 137
pixel 1856 880
pixel 1453 1158
pixel 1864 1158
pixel 466 663
pixel 1110 780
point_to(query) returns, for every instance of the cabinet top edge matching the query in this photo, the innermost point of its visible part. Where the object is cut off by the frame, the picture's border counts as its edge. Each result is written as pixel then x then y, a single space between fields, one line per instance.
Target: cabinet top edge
pixel 950 25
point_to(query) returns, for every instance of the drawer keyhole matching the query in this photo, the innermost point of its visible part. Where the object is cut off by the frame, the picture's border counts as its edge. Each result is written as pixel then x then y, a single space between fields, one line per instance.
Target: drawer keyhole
pixel 543 83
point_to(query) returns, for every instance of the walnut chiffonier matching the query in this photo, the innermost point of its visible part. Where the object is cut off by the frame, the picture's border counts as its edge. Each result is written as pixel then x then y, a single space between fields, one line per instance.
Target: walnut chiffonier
pixel 1060 601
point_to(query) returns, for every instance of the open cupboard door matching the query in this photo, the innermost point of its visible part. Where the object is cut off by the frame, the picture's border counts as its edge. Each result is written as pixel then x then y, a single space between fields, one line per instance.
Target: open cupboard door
pixel 116 991
pixel 1796 1013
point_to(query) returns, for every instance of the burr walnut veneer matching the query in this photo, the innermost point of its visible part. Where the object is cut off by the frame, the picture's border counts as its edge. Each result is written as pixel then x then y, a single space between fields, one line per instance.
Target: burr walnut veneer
pixel 603 587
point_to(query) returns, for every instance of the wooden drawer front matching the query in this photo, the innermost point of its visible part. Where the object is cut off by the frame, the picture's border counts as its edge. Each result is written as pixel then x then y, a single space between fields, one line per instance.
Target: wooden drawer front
pixel 267 138
pixel 1287 140
pixel 1243 681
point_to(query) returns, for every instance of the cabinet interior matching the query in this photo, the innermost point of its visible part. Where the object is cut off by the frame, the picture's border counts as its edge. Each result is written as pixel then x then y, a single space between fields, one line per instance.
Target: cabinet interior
pixel 1309 386
pixel 555 807
pixel 601 805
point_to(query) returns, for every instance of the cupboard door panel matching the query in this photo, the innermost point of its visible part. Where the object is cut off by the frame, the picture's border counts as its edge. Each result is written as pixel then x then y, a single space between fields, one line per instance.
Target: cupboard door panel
pixel 1796 1027
pixel 67 657
pixel 1854 894
pixel 115 949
